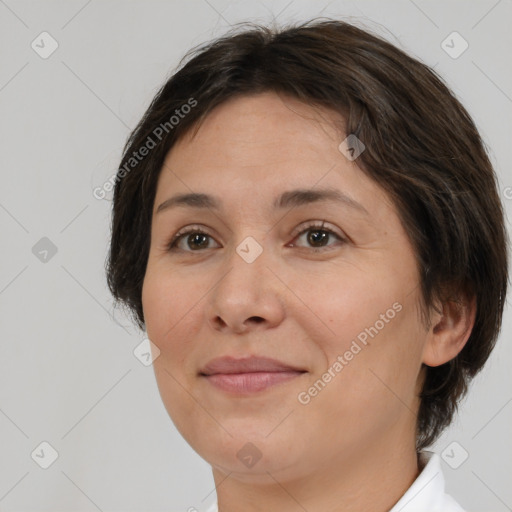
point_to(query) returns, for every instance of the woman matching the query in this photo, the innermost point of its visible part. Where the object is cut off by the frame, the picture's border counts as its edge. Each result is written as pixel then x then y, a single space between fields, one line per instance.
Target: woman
pixel 307 225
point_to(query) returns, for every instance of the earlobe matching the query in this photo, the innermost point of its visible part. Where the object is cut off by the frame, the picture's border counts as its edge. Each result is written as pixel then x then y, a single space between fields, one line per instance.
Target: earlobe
pixel 450 331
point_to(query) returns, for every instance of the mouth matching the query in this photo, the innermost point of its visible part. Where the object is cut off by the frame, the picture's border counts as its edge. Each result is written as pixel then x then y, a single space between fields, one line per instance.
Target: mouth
pixel 248 375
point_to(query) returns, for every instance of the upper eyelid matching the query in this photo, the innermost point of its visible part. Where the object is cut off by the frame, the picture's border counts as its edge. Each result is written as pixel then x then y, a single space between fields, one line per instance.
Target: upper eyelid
pixel 320 225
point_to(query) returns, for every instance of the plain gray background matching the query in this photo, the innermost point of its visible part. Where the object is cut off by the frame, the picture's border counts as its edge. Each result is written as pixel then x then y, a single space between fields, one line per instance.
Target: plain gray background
pixel 68 374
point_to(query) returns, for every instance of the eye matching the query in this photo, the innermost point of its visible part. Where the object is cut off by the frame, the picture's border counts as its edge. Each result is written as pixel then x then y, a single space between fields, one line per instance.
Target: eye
pixel 318 236
pixel 194 237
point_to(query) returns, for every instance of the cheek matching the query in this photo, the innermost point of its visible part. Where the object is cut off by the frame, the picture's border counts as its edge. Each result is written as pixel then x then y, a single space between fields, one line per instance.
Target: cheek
pixel 171 322
pixel 381 361
pixel 373 325
pixel 374 384
pixel 349 306
pixel 169 311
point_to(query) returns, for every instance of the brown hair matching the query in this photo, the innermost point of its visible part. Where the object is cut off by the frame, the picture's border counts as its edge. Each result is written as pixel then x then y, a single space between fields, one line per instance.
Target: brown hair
pixel 422 147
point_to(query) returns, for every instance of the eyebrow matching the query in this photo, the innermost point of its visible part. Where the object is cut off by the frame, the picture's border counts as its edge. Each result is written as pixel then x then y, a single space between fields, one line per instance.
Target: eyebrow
pixel 288 199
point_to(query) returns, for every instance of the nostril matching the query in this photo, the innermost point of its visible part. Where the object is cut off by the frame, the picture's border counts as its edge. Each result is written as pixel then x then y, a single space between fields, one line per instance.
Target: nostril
pixel 221 322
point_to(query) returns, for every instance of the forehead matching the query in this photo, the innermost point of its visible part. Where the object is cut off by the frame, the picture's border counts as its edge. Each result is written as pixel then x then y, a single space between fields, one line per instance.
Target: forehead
pixel 263 142
pixel 266 120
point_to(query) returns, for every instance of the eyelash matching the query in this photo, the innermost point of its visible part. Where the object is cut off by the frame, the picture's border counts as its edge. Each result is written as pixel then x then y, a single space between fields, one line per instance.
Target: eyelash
pixel 171 245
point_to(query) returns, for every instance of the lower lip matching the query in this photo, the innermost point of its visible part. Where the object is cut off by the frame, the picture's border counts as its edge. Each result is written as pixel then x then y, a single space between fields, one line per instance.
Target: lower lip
pixel 250 382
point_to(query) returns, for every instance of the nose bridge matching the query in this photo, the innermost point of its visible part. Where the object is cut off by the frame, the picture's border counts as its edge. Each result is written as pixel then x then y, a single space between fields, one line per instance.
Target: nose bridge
pixel 247 273
pixel 248 290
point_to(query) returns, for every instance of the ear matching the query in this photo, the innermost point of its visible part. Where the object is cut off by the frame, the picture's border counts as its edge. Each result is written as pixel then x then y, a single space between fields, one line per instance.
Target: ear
pixel 449 331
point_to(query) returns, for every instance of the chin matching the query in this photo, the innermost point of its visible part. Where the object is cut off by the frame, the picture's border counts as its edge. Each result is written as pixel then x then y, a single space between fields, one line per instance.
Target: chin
pixel 250 452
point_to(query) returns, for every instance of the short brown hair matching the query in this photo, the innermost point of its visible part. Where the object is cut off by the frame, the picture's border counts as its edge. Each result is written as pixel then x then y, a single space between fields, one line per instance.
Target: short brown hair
pixel 422 147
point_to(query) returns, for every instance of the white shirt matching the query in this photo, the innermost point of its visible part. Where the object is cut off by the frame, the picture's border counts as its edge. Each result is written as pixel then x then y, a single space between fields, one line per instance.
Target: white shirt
pixel 426 494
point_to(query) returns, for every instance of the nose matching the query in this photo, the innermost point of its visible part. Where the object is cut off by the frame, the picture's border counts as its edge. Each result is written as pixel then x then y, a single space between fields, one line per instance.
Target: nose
pixel 247 297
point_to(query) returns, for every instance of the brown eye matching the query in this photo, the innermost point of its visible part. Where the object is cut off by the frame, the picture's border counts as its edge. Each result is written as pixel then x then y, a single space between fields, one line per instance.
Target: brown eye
pixel 318 237
pixel 192 240
pixel 197 241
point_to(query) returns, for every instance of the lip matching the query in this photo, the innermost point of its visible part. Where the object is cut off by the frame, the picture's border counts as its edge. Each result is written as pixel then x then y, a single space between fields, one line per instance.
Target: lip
pixel 248 374
pixel 250 364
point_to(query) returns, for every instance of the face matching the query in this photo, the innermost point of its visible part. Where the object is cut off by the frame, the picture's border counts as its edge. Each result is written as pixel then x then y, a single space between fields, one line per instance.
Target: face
pixel 326 283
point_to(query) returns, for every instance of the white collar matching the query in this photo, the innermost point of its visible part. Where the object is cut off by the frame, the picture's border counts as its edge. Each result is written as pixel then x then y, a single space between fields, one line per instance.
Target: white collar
pixel 426 494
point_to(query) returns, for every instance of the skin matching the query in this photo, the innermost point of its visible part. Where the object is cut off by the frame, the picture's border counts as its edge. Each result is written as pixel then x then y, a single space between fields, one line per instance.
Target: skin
pixel 352 447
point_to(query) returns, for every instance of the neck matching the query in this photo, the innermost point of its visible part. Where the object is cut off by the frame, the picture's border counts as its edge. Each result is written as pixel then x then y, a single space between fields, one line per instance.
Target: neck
pixel 371 480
